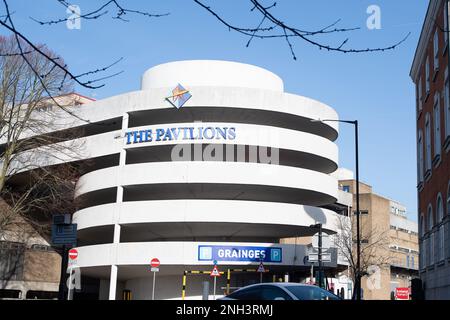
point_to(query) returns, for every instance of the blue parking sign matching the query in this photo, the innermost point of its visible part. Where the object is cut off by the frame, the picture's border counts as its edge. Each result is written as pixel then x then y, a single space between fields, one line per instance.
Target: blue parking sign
pixel 275 254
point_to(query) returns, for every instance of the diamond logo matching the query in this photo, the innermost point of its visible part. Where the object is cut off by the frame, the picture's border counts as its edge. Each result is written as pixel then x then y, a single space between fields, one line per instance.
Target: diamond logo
pixel 179 96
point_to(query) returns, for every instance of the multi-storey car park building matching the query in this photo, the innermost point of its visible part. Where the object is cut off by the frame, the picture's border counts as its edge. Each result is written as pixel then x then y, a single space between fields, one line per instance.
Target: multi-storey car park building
pixel 430 73
pixel 223 177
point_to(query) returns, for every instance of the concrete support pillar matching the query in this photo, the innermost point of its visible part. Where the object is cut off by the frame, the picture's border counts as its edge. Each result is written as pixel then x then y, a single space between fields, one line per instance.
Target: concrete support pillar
pixel 116 241
pixel 113 283
pixel 117 229
pixel 117 226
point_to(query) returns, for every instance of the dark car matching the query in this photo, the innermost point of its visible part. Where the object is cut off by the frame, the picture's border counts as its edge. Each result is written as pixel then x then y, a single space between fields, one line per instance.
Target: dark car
pixel 281 291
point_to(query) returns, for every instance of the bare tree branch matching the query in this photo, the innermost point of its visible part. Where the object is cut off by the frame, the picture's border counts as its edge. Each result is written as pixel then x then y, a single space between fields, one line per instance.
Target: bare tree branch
pixel 100 11
pixel 279 29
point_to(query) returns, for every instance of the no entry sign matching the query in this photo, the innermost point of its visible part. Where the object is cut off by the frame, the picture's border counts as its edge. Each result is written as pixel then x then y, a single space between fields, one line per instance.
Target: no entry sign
pixel 73 254
pixel 155 263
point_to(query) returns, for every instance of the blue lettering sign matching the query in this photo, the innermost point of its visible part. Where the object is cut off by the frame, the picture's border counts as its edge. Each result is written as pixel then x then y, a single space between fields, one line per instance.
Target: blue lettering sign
pixel 240 253
pixel 174 134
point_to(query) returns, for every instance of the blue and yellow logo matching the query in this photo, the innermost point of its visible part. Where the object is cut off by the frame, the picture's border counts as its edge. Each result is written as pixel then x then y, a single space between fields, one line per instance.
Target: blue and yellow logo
pixel 179 96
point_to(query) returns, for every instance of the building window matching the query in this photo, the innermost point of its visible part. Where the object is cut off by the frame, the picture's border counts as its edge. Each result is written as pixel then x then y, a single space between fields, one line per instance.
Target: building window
pixel 44 108
pixel 430 240
pixel 412 262
pixel 346 188
pixel 427 143
pixel 441 243
pixel 12 261
pixel 436 50
pixel 447 225
pixel 439 209
pixel 419 94
pixel 440 233
pixel 422 226
pixel 420 156
pixel 437 125
pixel 427 78
pixel 424 255
pixel 430 217
pixel 431 250
pixel 445 26
pixel 365 212
pixel 448 200
pixel 40 247
pixel 447 105
pixel 10 294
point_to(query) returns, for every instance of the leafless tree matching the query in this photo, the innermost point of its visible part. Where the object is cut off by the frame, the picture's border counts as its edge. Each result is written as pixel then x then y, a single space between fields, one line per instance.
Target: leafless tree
pixel 36 171
pixel 374 247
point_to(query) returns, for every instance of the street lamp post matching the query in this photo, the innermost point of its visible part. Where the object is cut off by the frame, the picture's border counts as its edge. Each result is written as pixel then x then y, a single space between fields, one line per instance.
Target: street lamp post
pixel 358 240
pixel 319 256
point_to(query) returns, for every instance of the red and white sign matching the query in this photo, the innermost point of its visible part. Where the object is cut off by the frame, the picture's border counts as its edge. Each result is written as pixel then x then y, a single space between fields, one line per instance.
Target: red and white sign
pixel 215 272
pixel 73 254
pixel 402 293
pixel 155 263
pixel 261 268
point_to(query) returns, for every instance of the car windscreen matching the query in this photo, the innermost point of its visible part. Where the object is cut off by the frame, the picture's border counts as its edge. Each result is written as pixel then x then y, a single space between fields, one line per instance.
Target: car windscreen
pixel 311 293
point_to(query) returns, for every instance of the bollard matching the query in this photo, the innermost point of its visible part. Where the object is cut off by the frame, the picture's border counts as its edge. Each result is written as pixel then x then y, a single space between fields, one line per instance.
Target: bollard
pixel 205 290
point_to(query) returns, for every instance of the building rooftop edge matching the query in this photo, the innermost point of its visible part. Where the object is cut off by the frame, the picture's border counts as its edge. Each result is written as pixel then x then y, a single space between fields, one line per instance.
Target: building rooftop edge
pixel 433 5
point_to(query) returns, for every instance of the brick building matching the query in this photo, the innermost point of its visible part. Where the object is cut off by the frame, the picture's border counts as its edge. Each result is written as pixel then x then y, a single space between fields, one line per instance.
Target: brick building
pixel 430 74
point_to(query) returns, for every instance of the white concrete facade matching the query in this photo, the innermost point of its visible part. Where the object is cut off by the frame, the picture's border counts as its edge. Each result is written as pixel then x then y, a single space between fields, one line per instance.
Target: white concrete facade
pixel 138 203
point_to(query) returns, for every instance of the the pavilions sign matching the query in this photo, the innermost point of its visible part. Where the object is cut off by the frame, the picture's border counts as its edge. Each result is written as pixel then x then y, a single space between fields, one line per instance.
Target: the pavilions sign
pixel 180 134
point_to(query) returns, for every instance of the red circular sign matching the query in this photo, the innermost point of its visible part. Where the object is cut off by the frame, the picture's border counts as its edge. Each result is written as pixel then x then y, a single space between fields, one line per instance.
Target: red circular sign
pixel 155 263
pixel 73 254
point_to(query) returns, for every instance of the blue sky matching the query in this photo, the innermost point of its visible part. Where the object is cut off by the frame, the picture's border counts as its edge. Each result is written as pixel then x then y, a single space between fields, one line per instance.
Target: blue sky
pixel 374 88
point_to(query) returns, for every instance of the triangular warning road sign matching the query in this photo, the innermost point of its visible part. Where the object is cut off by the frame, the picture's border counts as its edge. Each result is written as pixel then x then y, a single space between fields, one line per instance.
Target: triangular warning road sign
pixel 215 272
pixel 261 268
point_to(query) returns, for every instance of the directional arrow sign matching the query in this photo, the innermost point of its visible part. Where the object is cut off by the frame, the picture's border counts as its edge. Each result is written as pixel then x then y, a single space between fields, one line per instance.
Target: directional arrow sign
pixel 314 257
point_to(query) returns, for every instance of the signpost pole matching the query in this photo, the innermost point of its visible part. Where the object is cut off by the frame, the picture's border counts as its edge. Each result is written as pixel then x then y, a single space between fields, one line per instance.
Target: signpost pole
pixel 64 258
pixel 214 288
pixel 154 263
pixel 261 270
pixel 69 287
pixel 320 255
pixel 215 273
pixel 153 290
